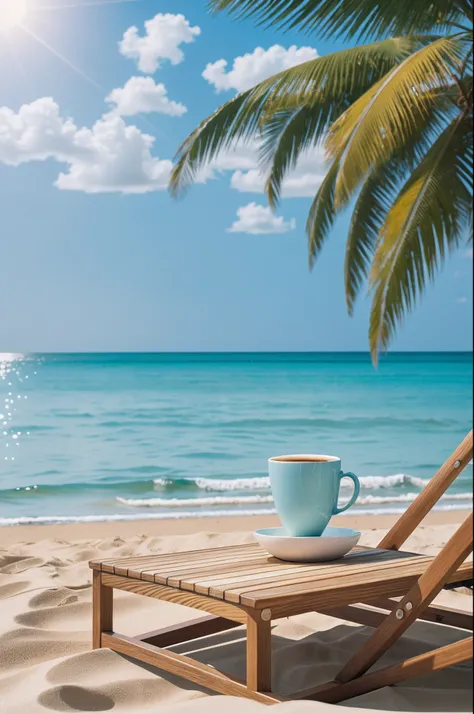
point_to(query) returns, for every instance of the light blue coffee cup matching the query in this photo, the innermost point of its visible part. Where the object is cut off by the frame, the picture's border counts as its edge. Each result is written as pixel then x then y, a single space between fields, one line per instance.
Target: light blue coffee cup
pixel 305 489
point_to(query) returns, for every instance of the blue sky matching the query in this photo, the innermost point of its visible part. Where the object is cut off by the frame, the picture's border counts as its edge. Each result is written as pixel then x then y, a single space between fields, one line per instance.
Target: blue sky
pixel 95 255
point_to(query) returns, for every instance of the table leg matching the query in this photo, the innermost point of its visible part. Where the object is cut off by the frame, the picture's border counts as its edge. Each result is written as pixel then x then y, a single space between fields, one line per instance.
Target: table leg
pixel 259 663
pixel 102 609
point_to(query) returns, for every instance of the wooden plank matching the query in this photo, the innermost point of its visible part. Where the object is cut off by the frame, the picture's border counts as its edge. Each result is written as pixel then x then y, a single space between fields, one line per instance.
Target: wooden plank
pixel 271 568
pixel 430 495
pixel 180 597
pixel 331 592
pixel 201 674
pixel 290 594
pixel 186 631
pixel 186 576
pixel 363 574
pixel 462 574
pixel 259 654
pixel 319 575
pixel 102 609
pixel 182 556
pixel 421 594
pixel 365 614
pixel 426 663
pixel 360 614
pixel 163 571
pixel 190 560
pixel 434 613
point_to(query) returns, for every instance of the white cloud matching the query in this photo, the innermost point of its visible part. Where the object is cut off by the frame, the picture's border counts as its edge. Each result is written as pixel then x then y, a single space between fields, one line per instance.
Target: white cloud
pixel 242 161
pixel 242 156
pixel 141 94
pixel 119 159
pixel 250 69
pixel 462 300
pixel 109 157
pixel 469 253
pixel 303 181
pixel 36 133
pixel 259 220
pixel 162 39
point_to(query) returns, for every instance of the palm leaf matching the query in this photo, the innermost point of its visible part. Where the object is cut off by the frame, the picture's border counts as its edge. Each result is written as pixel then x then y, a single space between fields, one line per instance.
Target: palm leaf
pixel 381 188
pixel 372 204
pixel 321 215
pixel 324 83
pixel 387 116
pixel 285 137
pixel 351 18
pixel 425 222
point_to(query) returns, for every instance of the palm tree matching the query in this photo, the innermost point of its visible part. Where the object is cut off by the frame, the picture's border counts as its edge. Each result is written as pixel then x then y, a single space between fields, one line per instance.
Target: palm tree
pixel 395 117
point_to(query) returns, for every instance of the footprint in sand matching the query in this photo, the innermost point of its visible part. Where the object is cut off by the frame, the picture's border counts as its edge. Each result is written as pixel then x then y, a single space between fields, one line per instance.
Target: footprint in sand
pixel 68 698
pixel 19 564
pixel 13 588
pixel 62 617
pixel 53 598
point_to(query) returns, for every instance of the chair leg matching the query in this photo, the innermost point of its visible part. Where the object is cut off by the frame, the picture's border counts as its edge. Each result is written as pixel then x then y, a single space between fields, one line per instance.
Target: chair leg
pixel 259 663
pixel 102 609
pixel 413 604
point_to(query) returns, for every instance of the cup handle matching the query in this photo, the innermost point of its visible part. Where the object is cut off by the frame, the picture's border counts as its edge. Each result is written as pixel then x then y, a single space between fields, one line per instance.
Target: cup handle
pixel 355 495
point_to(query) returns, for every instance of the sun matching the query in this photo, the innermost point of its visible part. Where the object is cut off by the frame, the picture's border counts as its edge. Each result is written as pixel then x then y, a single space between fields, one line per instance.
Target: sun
pixel 12 13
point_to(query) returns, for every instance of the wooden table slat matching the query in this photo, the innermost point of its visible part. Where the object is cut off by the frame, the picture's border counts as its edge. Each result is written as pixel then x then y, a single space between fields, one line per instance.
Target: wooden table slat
pixel 178 557
pixel 205 561
pixel 223 566
pixel 275 595
pixel 233 593
pixel 246 575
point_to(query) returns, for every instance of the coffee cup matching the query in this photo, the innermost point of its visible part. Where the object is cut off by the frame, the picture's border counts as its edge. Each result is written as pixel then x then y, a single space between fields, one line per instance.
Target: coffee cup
pixel 305 489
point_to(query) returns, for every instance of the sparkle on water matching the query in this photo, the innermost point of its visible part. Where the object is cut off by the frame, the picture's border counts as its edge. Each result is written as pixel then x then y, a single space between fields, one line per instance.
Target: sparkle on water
pixel 11 378
pixel 12 13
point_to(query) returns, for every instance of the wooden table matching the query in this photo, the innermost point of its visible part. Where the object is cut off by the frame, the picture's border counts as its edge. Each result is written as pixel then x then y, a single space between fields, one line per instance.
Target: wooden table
pixel 242 585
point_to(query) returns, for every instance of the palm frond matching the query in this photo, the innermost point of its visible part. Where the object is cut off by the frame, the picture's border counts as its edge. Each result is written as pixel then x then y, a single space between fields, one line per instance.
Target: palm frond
pixel 351 18
pixel 381 188
pixel 285 137
pixel 325 83
pixel 425 222
pixel 373 203
pixel 321 215
pixel 387 116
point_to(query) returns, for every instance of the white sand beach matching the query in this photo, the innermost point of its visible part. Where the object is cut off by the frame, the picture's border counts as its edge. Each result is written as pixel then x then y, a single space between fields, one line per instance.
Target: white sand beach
pixel 46 662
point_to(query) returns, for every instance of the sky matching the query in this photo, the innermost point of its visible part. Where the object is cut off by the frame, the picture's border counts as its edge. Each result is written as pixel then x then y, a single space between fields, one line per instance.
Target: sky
pixel 95 255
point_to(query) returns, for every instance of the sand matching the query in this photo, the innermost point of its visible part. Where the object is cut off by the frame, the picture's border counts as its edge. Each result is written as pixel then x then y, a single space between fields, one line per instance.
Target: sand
pixel 46 663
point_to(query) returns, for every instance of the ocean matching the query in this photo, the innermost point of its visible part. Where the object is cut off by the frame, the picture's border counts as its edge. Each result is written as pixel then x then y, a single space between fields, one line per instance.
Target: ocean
pixel 104 437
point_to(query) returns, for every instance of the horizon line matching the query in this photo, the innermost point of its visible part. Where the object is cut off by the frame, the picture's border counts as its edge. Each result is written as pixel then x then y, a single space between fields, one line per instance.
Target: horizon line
pixel 228 352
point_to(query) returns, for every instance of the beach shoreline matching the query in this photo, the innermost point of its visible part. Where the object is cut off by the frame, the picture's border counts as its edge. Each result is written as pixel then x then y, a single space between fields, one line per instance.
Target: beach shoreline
pixel 188 526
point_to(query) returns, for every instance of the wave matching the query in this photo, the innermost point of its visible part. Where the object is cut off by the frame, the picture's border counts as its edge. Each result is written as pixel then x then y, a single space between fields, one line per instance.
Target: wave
pixel 118 517
pixel 254 423
pixel 194 502
pixel 116 479
pixel 261 483
pixel 257 499
pixel 258 483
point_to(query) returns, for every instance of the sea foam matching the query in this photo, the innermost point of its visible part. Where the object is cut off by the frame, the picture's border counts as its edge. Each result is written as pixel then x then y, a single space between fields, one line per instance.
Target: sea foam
pixel 216 501
pixel 260 483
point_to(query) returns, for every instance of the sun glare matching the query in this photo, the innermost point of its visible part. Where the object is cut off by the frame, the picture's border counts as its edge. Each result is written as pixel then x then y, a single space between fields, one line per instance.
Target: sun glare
pixel 12 13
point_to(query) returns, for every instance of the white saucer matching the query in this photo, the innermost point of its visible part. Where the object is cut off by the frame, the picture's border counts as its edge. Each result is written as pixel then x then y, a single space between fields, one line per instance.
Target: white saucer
pixel 333 544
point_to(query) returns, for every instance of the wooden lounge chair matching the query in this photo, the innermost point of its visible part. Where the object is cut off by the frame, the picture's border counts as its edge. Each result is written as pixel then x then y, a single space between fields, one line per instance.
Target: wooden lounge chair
pixel 243 585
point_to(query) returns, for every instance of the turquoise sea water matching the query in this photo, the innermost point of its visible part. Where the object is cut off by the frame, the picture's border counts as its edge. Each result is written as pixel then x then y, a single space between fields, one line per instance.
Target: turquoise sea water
pixel 115 436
